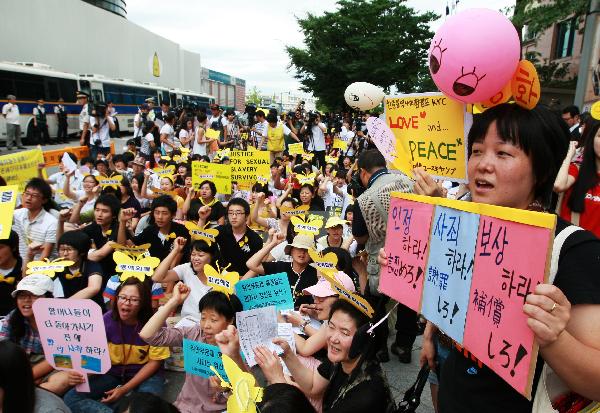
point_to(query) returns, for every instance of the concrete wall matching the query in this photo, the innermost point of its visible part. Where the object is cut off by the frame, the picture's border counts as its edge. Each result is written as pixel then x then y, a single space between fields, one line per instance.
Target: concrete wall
pixel 73 36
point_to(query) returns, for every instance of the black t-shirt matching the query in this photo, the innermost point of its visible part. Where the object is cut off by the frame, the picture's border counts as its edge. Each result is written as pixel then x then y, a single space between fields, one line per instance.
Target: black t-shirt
pixel 217 210
pixel 465 387
pixel 370 396
pixel 359 226
pixel 94 231
pixel 160 248
pixel 132 202
pixel 307 278
pixel 73 284
pixel 236 252
pixel 8 285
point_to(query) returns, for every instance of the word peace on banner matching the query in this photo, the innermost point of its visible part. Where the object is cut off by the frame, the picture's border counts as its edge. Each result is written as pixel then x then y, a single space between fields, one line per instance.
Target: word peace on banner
pixel 219 174
pixel 73 335
pixel 18 168
pixel 198 357
pixel 265 291
pixel 8 199
pixel 247 166
pixel 468 268
pixel 430 131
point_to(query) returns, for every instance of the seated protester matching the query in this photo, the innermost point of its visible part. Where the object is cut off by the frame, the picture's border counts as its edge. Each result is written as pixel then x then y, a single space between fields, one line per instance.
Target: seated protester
pixel 85 199
pixel 186 187
pixel 191 273
pixel 58 181
pixel 261 201
pixel 334 238
pixel 237 243
pixel 348 216
pixel 83 279
pixel 166 185
pixel 300 273
pixel 283 397
pixel 135 365
pixel 283 225
pixel 128 200
pixel 103 230
pixel 335 195
pixel 323 298
pixel 119 165
pixel 136 185
pixel 34 223
pixel 307 196
pixel 206 196
pixel 20 327
pixel 183 170
pixel 101 167
pixel 19 392
pixel 345 263
pixel 198 394
pixel 161 232
pixel 141 402
pixel 11 266
pixel 348 380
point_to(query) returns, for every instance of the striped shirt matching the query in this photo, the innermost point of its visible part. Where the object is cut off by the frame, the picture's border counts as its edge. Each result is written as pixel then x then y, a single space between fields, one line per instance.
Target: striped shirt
pixel 30 342
pixel 41 229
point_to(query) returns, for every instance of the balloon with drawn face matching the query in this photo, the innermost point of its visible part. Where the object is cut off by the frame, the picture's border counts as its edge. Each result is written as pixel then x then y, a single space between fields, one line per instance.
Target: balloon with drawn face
pixel 474 54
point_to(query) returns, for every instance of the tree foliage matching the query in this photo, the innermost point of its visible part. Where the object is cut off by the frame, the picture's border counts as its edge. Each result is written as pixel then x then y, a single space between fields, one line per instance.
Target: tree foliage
pixel 253 96
pixel 383 42
pixel 541 15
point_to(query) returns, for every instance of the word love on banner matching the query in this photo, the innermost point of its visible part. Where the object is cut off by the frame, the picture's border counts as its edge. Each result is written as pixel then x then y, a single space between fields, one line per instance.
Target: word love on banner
pixel 199 357
pixel 73 335
pixel 478 267
pixel 430 131
pixel 265 291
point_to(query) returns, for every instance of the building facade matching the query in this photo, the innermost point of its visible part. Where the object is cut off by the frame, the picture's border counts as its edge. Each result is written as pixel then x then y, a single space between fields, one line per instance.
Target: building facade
pixel 229 91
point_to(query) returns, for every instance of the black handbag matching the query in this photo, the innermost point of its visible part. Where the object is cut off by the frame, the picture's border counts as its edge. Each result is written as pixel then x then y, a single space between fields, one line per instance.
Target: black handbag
pixel 412 396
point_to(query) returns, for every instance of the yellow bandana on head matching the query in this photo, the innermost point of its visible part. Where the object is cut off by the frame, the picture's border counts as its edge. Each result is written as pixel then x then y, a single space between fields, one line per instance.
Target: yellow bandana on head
pixel 306 179
pixel 310 225
pixel 298 211
pixel 132 251
pixel 48 268
pixel 220 279
pixel 245 393
pixel 110 181
pixel 139 267
pixel 168 171
pixel 209 235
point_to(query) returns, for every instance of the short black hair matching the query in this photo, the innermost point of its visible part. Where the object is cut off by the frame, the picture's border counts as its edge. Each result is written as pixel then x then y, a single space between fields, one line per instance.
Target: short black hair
pixel 201 116
pixel 271 118
pixel 164 201
pixel 16 379
pixel 143 402
pixel 110 201
pixel 13 243
pixel 211 184
pixel 42 186
pixel 76 239
pixel 240 202
pixel 572 110
pixel 539 132
pixel 283 397
pixel 164 102
pixel 222 304
pixel 170 116
pixel 371 160
pixel 260 113
pixel 202 246
pixel 360 319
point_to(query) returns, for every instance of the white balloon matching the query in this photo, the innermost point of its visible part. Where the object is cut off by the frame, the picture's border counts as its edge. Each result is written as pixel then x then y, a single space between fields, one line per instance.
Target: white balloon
pixel 363 96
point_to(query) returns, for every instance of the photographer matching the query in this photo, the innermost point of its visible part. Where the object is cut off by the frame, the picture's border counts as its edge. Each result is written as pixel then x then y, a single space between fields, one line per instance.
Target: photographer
pixel 314 142
pixel 101 123
pixel 294 122
pixel 139 121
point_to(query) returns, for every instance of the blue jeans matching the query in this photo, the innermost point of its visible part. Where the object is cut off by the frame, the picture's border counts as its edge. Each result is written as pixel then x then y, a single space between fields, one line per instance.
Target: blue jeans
pixel 99 384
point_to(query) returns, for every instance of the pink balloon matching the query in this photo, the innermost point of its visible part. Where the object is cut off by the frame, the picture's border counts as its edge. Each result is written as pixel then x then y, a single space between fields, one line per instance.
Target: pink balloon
pixel 474 54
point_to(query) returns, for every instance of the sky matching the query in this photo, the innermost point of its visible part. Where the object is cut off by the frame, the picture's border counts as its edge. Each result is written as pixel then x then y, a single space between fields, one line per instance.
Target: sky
pixel 247 39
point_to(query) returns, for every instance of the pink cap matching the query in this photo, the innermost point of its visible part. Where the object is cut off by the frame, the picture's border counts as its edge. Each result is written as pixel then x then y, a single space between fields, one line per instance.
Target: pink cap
pixel 323 288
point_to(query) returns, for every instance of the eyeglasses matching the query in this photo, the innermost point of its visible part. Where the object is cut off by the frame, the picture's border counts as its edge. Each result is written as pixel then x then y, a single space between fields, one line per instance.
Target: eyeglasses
pixel 129 300
pixel 236 214
pixel 68 250
pixel 33 195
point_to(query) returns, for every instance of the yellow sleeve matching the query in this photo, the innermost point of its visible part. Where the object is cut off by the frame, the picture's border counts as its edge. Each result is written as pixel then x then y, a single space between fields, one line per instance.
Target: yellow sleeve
pixel 158 353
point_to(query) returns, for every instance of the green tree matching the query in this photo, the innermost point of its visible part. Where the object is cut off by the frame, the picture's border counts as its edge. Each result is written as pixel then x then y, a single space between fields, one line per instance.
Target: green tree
pixel 383 42
pixel 539 16
pixel 253 96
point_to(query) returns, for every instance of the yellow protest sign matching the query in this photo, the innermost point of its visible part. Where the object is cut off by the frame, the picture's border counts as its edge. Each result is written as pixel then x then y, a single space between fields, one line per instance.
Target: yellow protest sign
pixel 18 168
pixel 212 133
pixel 340 144
pixel 8 199
pixel 247 166
pixel 219 174
pixel 430 131
pixel 595 110
pixel 296 148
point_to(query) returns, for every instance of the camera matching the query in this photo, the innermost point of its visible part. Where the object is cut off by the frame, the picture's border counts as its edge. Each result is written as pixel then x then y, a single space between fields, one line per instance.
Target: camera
pixel 99 110
pixel 312 118
pixel 355 187
pixel 144 115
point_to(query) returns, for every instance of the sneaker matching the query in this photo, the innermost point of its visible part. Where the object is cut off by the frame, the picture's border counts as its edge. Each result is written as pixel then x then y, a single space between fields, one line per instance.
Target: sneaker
pixel 404 353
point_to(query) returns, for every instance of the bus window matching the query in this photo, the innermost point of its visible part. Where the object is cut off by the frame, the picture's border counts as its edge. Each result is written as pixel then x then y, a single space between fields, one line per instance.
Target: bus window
pixel 68 89
pixel 52 93
pixel 84 86
pixel 164 95
pixel 97 96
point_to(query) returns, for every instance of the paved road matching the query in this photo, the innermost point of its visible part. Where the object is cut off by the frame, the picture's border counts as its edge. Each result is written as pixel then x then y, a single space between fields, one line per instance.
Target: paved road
pixel 400 376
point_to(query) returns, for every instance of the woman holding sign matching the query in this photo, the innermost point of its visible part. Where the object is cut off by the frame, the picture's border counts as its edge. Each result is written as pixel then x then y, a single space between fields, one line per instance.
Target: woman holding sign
pixel 515 155
pixel 135 364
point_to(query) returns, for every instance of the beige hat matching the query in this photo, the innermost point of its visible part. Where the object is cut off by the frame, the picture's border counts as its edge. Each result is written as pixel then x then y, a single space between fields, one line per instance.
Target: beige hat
pixel 334 222
pixel 36 284
pixel 302 241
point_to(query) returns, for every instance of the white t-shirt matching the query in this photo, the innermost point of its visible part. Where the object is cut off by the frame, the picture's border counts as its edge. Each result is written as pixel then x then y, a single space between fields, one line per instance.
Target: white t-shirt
pixel 317 143
pixel 183 134
pixel 145 144
pixel 170 132
pixel 197 289
pixel 198 148
pixel 261 130
pixel 12 113
pixel 84 116
pixel 103 132
pixel 347 135
pixel 42 229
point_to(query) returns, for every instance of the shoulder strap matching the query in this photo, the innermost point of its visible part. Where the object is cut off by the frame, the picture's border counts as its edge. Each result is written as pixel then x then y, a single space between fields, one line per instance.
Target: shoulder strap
pixel 559 240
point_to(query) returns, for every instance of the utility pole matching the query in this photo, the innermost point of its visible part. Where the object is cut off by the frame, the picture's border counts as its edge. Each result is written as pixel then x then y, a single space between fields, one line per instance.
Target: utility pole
pixel 585 64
